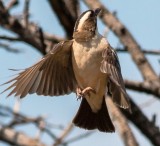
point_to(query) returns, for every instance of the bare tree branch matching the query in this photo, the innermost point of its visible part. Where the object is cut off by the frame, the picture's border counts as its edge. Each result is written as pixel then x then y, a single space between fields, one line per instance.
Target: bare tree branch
pixel 17 138
pixel 150 52
pixel 28 35
pixel 145 87
pixel 65 132
pixel 121 124
pixel 26 12
pixel 147 127
pixel 8 48
pixel 8 38
pixel 20 119
pixel 64 16
pixel 78 137
pixel 73 7
pixel 11 4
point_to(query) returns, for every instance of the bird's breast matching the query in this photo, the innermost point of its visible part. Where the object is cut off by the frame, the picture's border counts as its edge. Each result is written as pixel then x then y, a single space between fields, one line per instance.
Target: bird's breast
pixel 86 59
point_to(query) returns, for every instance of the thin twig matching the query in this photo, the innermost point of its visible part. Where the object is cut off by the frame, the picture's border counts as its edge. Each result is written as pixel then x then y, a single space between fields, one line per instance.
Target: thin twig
pixel 150 52
pixel 26 12
pixel 11 4
pixel 65 132
pixel 147 103
pixel 8 38
pixel 78 137
pixel 29 36
pixel 19 118
pixel 8 48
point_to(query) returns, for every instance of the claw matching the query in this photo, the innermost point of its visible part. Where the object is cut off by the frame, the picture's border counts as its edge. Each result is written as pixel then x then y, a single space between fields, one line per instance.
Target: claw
pixel 78 93
pixel 85 92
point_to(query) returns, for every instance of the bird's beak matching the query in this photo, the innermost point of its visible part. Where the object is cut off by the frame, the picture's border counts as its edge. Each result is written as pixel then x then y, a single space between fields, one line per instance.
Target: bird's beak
pixel 97 11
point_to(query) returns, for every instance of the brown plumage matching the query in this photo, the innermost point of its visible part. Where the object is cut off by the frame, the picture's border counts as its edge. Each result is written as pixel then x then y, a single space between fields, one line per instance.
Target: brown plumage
pixel 52 75
pixel 87 65
pixel 87 119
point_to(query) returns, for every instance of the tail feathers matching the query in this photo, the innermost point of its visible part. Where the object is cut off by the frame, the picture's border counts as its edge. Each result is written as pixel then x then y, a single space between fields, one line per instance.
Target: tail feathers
pixel 87 119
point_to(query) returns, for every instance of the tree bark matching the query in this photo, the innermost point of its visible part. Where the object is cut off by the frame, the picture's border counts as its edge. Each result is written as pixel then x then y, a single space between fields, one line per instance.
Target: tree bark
pixel 121 124
pixel 147 127
pixel 18 138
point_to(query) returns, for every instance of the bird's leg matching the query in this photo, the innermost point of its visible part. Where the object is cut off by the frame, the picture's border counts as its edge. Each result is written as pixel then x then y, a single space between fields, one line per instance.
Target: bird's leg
pixel 78 93
pixel 85 92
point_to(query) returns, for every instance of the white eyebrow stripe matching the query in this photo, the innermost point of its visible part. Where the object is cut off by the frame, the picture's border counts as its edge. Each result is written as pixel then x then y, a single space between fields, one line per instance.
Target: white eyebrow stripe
pixel 83 19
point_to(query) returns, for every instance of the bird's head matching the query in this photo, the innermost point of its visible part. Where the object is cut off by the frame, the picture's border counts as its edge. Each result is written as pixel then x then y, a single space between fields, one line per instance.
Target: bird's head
pixel 86 25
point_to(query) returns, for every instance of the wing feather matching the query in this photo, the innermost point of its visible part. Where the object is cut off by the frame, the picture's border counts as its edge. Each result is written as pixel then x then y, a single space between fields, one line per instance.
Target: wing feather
pixel 110 65
pixel 53 75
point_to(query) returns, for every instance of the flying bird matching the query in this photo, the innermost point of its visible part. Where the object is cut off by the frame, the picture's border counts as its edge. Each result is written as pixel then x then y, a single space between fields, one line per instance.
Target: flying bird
pixel 86 65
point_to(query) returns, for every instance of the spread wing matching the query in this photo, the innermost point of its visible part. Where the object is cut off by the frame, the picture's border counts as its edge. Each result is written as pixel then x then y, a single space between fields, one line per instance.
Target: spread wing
pixel 110 65
pixel 52 75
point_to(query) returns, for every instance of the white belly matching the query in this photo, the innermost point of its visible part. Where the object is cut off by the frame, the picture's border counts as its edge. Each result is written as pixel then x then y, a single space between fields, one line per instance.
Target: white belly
pixel 86 61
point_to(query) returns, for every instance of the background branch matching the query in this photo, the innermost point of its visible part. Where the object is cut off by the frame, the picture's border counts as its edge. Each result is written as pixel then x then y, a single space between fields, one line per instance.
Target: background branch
pixel 8 38
pixel 147 127
pixel 11 4
pixel 145 87
pixel 17 138
pixel 26 12
pixel 65 132
pixel 121 124
pixel 8 48
pixel 64 15
pixel 150 52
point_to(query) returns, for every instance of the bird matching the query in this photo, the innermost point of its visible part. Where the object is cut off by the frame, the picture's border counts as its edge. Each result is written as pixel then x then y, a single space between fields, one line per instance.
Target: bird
pixel 86 65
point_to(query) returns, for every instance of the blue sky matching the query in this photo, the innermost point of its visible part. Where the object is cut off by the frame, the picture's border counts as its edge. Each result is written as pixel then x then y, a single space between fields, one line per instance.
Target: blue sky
pixel 140 17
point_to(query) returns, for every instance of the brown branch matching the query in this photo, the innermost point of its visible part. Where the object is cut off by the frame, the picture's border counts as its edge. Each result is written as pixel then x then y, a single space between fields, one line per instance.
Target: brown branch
pixel 17 138
pixel 78 137
pixel 14 25
pixel 127 40
pixel 8 38
pixel 150 52
pixel 145 87
pixel 65 132
pixel 21 119
pixel 11 4
pixel 64 15
pixel 73 7
pixel 26 12
pixel 147 127
pixel 28 35
pixel 42 40
pixel 121 124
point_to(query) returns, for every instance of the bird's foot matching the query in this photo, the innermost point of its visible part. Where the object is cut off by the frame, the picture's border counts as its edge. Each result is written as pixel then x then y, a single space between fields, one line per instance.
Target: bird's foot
pixel 78 93
pixel 85 92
